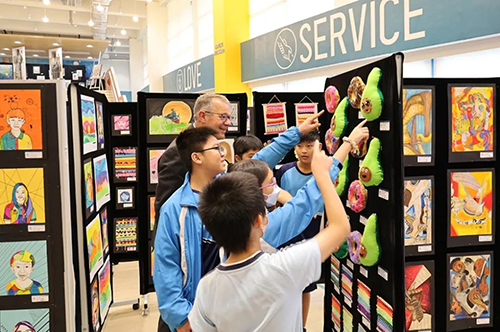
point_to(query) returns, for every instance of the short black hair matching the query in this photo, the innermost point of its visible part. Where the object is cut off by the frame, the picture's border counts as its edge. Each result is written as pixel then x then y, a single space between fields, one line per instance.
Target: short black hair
pixel 253 166
pixel 228 207
pixel 309 137
pixel 192 140
pixel 243 144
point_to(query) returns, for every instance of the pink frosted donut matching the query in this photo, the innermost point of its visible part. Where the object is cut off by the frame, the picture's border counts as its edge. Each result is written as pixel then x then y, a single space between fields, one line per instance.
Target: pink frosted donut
pixel 332 142
pixel 357 196
pixel 354 243
pixel 332 98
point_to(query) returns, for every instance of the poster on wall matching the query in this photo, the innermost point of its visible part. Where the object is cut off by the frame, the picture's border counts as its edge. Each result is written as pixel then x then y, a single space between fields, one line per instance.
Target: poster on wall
pixel 25 320
pixel 303 111
pixel 471 214
pixel 470 287
pixel 22 196
pixel 418 125
pixel 274 118
pixel 101 179
pixel 154 155
pixel 472 122
pixel 168 118
pixel 88 177
pixel 100 124
pixel 89 134
pixel 235 115
pixel 125 234
pixel 418 215
pixel 125 164
pixel 94 246
pixel 121 125
pixel 125 198
pixel 419 296
pixel 19 62
pixel 24 266
pixel 56 70
pixel 105 292
pixel 94 298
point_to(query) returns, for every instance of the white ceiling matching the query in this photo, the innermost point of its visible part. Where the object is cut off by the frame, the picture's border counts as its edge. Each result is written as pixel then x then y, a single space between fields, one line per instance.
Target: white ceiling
pixel 69 19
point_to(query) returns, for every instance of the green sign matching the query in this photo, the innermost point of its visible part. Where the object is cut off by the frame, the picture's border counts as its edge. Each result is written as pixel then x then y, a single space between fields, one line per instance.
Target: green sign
pixel 365 29
pixel 194 77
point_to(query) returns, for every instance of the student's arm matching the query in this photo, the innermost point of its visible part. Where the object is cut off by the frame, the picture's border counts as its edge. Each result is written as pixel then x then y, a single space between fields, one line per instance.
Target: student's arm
pixel 274 152
pixel 199 321
pixel 168 276
pixel 284 196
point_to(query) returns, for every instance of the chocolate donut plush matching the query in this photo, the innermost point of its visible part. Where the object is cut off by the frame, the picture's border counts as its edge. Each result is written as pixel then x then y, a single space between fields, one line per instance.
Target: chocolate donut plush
pixel 357 196
pixel 332 98
pixel 355 91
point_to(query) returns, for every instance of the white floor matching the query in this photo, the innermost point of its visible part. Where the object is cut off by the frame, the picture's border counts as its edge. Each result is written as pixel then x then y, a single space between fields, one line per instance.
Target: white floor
pixel 126 287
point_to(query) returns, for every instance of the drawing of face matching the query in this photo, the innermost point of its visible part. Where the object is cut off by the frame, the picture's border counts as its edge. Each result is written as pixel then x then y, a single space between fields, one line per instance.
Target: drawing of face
pixel 21 195
pixel 456 308
pixel 22 270
pixel 24 327
pixel 15 123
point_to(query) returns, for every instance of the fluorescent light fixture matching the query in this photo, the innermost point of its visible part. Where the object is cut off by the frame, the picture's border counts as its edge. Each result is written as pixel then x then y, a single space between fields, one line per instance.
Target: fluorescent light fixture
pixel 46 2
pixel 89 57
pixel 67 57
pixel 6 49
pixel 2 54
pixel 18 42
pixel 135 18
pixel 55 44
pixel 123 31
pixel 89 46
pixel 35 55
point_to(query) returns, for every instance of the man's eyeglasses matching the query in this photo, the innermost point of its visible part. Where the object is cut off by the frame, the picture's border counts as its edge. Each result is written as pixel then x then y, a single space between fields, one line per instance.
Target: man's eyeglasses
pixel 221 150
pixel 222 116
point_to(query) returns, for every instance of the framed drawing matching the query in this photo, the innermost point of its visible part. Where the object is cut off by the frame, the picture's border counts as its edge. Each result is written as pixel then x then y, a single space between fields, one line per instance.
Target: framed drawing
pixel 94 246
pixel 104 230
pixel 121 125
pixel 25 320
pixel 94 300
pixel 235 116
pixel 154 156
pixel 125 198
pixel 100 124
pixel 125 234
pixel 89 126
pixel 88 177
pixel 101 181
pixel 168 117
pixel 419 296
pixel 105 292
pixel 125 164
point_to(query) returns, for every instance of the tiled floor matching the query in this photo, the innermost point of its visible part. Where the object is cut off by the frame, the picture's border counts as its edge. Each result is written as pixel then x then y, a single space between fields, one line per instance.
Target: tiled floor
pixel 126 287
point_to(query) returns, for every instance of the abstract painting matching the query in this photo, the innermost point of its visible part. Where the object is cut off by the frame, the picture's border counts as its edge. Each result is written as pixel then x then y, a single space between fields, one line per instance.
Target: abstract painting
pixel 417 122
pixel 94 298
pixel 304 111
pixel 104 229
pixel 125 164
pixel 100 124
pixel 274 118
pixel 24 266
pixel 20 120
pixel 101 180
pixel 89 185
pixel 154 156
pixel 105 292
pixel 22 196
pixel 125 234
pixel 89 137
pixel 94 245
pixel 168 117
pixel 418 207
pixel 25 320
pixel 418 298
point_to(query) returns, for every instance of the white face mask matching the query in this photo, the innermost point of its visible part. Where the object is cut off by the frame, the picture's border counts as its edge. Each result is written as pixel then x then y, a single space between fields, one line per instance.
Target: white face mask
pixel 272 198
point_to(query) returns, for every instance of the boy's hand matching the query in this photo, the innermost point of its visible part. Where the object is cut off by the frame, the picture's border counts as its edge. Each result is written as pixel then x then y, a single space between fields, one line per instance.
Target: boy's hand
pixel 360 133
pixel 310 123
pixel 321 163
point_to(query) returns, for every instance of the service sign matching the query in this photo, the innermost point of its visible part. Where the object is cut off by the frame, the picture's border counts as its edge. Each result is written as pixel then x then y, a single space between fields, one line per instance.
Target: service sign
pixel 194 77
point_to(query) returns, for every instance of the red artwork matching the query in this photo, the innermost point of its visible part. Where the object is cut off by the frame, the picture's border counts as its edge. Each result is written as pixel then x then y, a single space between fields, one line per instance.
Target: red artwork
pixel 418 304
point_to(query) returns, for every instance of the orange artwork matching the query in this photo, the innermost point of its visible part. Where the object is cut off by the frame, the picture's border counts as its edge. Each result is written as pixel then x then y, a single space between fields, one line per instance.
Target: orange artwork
pixel 20 120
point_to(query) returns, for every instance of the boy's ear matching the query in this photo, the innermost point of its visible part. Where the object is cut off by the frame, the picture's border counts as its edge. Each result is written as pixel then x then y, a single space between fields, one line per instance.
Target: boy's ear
pixel 195 158
pixel 237 158
pixel 320 146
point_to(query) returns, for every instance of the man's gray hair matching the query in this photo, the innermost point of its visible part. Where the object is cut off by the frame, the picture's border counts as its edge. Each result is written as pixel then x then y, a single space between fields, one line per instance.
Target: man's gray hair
pixel 204 103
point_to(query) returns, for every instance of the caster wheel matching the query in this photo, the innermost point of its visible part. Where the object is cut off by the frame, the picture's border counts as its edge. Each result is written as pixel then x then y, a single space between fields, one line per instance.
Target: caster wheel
pixel 135 306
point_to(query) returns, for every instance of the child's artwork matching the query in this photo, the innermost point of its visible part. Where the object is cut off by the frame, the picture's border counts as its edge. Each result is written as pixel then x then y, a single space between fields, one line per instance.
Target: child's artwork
pixel 121 125
pixel 470 302
pixel 304 111
pixel 25 320
pixel 56 64
pixel 418 118
pixel 384 315
pixel 336 313
pixel 419 306
pixel 94 298
pixel 125 234
pixel 104 229
pixel 89 137
pixel 471 204
pixel 105 292
pixel 94 246
pixel 24 266
pixel 168 117
pixel 125 198
pixel 19 62
pixel 472 122
pixel 22 196
pixel 6 71
pixel 89 187
pixel 335 273
pixel 227 145
pixel 274 118
pixel 347 280
pixel 100 124
pixel 154 156
pixel 364 293
pixel 152 212
pixel 20 120
pixel 418 213
pixel 152 261
pixel 347 320
pixel 125 164
pixel 235 110
pixel 101 180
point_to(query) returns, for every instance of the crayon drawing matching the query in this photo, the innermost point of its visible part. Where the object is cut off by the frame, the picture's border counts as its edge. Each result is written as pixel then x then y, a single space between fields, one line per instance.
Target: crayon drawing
pixel 125 164
pixel 94 246
pixel 125 234
pixel 89 184
pixel 154 156
pixel 100 123
pixel 88 124
pixel 418 201
pixel 105 292
pixel 274 118
pixel 94 298
pixel 168 117
pixel 417 122
pixel 104 229
pixel 20 120
pixel 418 300
pixel 101 180
pixel 24 266
pixel 22 196
pixel 472 110
pixel 25 320
pixel 471 203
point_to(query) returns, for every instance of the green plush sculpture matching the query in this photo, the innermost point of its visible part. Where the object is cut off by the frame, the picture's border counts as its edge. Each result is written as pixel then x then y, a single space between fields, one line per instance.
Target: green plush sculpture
pixel 343 251
pixel 371 172
pixel 370 250
pixel 343 178
pixel 339 120
pixel 372 100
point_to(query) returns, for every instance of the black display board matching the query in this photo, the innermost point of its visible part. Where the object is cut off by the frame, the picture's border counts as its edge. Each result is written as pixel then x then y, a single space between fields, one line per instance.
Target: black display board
pixel 33 71
pixel 69 70
pixel 377 291
pixel 466 241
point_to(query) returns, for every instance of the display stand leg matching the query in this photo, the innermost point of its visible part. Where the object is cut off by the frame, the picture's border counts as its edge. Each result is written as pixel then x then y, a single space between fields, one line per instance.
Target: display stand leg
pixel 134 302
pixel 145 309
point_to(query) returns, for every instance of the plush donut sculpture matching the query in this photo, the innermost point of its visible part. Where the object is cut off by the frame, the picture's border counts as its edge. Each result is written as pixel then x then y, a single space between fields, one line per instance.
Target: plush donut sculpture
pixel 370 171
pixel 362 149
pixel 355 91
pixel 332 98
pixel 331 142
pixel 357 195
pixel 343 251
pixel 372 100
pixel 343 178
pixel 339 119
pixel 370 250
pixel 354 243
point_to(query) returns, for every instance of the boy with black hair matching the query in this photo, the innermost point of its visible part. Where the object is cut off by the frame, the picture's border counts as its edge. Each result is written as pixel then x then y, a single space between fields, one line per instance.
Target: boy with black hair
pixel 245 147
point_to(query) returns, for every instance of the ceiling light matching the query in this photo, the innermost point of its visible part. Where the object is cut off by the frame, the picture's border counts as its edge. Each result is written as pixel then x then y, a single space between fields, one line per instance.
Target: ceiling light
pixel 2 54
pixel 25 7
pixel 45 19
pixel 149 0
pixel 123 31
pixel 135 19
pixel 46 2
pixel 99 8
pixel 6 49
pixel 17 42
pixel 67 57
pixel 55 44
pixel 89 57
pixel 35 55
pixel 118 43
pixel 89 46
pixel 91 23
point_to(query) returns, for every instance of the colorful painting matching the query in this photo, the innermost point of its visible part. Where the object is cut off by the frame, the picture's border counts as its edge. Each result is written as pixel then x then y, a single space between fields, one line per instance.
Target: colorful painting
pixel 274 118
pixel 303 111
pixel 19 62
pixel 88 124
pixel 104 229
pixel 100 124
pixel 347 280
pixel 348 321
pixel 25 320
pixel 364 293
pixel 121 122
pixel 20 120
pixel 125 195
pixel 470 287
pixel 418 202
pixel 152 212
pixel 94 298
pixel 154 156
pixel 125 164
pixel 472 125
pixel 89 185
pixel 6 71
pixel 168 117
pixel 105 292
pixel 471 203
pixel 418 299
pixel 335 271
pixel 384 315
pixel 417 122
pixel 24 266
pixel 235 115
pixel 22 196
pixel 94 246
pixel 336 312
pixel 101 180
pixel 125 234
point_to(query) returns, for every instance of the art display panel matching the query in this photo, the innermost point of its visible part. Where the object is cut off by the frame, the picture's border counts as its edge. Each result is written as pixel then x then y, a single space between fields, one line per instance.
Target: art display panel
pixel 89 126
pixel 101 178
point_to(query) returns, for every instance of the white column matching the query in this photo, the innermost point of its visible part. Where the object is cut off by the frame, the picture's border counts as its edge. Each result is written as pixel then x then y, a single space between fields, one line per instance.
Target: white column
pixel 157 45
pixel 136 67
